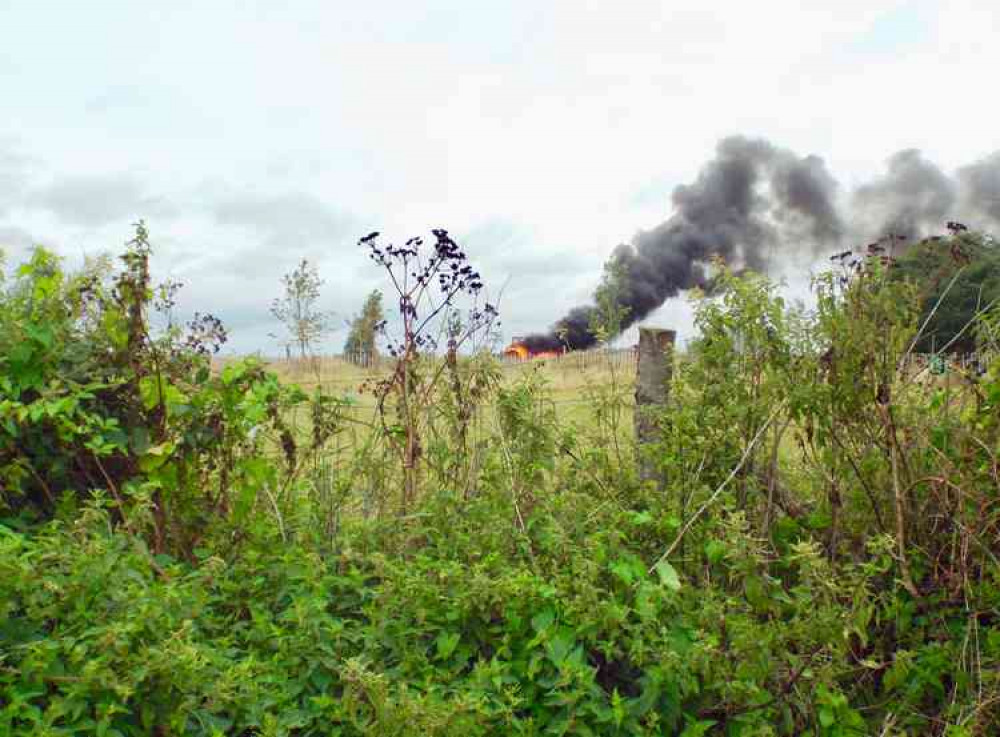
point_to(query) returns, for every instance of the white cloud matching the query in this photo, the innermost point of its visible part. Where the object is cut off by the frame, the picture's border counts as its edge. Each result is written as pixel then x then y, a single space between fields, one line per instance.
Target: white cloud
pixel 568 121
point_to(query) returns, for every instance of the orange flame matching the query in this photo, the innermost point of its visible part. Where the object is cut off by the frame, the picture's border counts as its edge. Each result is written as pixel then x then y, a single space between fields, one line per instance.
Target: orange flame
pixel 520 352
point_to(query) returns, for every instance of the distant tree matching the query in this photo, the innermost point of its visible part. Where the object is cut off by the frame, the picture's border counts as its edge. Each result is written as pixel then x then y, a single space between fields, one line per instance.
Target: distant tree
pixel 958 276
pixel 297 310
pixel 364 328
pixel 611 313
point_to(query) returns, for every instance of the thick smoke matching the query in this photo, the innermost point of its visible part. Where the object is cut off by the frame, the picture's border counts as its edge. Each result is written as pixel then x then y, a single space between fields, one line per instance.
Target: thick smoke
pixel 979 190
pixel 913 198
pixel 756 202
pixel 751 199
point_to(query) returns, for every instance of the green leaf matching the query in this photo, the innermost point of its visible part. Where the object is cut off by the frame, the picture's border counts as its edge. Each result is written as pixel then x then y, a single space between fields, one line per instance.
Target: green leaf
pixel 668 575
pixel 543 620
pixel 646 600
pixel 233 372
pixel 641 518
pixel 826 717
pixel 156 456
pixel 40 334
pixel 715 551
pixel 446 642
pixel 628 569
pixel 560 646
pixel 756 592
pixel 699 728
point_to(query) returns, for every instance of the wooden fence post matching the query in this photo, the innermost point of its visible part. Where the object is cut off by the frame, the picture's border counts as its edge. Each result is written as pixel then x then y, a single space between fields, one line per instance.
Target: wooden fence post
pixel 652 386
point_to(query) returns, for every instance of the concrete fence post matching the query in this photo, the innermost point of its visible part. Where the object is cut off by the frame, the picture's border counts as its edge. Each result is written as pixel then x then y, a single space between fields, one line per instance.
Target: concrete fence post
pixel 652 386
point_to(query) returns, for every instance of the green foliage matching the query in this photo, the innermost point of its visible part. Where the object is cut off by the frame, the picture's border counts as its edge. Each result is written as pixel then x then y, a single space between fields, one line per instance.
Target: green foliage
pixel 55 385
pixel 609 317
pixel 297 309
pixel 957 277
pixel 197 549
pixel 92 400
pixel 360 344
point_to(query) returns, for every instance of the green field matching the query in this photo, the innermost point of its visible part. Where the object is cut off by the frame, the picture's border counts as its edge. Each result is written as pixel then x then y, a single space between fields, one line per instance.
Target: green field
pixel 568 379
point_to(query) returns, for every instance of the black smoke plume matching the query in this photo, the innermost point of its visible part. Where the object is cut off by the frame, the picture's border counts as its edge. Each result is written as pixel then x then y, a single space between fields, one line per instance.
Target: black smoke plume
pixel 913 197
pixel 755 202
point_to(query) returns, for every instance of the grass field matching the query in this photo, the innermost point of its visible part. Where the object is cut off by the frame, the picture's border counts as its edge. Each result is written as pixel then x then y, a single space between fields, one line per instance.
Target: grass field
pixel 571 381
pixel 568 378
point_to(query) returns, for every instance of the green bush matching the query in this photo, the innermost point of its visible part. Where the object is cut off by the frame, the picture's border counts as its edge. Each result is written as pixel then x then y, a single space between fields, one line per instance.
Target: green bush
pixel 191 549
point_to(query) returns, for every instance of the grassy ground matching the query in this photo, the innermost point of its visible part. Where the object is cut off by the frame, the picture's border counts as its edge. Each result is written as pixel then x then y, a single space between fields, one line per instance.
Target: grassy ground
pixel 568 379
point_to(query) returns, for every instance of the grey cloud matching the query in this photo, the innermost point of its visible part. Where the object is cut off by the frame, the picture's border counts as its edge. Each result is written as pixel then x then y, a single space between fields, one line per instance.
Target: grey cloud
pixel 117 97
pixel 14 245
pixel 304 164
pixel 501 248
pixel 288 227
pixel 13 175
pixel 11 236
pixel 288 220
pixel 235 272
pixel 100 200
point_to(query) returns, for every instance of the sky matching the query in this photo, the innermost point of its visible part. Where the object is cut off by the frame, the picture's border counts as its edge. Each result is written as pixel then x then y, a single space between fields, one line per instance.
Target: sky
pixel 540 133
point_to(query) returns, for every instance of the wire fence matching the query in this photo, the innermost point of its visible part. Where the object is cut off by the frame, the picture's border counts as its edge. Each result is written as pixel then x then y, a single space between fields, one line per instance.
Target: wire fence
pixel 597 358
pixel 349 369
pixel 975 362
pixel 618 358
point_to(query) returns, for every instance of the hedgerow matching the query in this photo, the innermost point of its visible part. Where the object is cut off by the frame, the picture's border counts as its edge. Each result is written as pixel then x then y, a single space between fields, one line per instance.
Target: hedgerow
pixel 194 549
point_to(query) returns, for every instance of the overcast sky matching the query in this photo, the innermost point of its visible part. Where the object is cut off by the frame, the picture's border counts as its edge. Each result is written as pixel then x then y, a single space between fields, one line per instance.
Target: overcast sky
pixel 540 133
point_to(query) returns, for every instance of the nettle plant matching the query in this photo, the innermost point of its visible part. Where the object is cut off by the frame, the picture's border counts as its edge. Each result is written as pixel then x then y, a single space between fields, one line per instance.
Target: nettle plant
pixel 95 400
pixel 441 303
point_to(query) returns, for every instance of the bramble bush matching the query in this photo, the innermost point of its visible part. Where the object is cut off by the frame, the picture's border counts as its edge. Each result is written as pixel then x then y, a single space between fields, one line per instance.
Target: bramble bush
pixel 188 548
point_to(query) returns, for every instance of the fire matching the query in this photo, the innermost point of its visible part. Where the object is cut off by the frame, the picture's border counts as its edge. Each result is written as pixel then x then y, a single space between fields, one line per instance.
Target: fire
pixel 520 352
